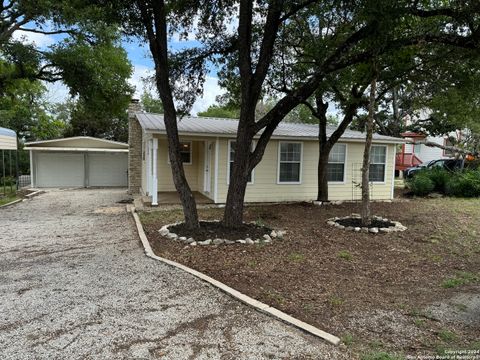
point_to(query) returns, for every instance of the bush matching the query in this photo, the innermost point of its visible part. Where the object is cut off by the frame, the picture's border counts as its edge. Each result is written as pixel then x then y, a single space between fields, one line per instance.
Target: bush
pixel 421 184
pixel 439 178
pixel 464 184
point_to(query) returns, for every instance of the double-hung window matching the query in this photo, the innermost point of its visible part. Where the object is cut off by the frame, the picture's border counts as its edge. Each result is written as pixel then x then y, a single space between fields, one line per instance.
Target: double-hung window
pixel 231 157
pixel 378 158
pixel 336 163
pixel 185 152
pixel 290 162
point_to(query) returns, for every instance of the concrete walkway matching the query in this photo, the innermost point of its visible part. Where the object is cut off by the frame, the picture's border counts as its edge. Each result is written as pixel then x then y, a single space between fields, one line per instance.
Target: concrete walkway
pixel 74 283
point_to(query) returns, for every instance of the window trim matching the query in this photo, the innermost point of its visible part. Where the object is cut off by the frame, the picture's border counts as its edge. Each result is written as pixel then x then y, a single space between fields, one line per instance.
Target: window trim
pixel 278 163
pixel 344 167
pixel 191 152
pixel 385 164
pixel 229 161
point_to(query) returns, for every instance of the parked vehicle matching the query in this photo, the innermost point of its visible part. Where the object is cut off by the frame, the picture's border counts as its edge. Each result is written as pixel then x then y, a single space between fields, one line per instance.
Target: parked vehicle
pixel 447 164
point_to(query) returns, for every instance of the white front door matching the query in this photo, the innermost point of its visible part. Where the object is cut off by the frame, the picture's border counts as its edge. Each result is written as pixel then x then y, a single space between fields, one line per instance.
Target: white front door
pixel 207 179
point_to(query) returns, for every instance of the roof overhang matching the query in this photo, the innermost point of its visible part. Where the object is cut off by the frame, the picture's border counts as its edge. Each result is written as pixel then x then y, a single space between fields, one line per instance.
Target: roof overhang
pixel 77 144
pixel 74 149
pixel 274 137
pixel 8 139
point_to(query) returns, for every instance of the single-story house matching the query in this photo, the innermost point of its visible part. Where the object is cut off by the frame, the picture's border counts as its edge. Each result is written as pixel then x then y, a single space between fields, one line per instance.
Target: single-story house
pixel 80 161
pixel 287 172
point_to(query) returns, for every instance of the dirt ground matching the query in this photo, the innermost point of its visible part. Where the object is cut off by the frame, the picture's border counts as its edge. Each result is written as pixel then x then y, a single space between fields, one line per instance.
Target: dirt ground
pixel 407 293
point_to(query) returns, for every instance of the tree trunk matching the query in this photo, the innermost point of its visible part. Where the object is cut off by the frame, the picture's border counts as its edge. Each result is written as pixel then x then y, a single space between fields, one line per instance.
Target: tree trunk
pixel 156 29
pixel 365 212
pixel 233 214
pixel 323 176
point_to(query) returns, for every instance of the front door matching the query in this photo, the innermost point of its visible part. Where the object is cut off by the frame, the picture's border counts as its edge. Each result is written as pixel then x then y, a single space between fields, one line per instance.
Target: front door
pixel 207 179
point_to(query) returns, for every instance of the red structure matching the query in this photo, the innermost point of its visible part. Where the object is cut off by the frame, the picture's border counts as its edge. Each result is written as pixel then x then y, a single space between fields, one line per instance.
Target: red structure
pixel 405 159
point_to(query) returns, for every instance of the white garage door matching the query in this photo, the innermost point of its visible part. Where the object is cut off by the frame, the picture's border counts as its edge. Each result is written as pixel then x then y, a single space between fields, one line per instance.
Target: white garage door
pixel 60 170
pixel 107 169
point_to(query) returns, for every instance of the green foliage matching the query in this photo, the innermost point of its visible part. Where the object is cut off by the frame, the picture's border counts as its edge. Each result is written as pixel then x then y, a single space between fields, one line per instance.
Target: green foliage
pixel 348 339
pixel 421 184
pixel 87 56
pixel 151 104
pixel 296 257
pixel 336 300
pixel 464 184
pixel 345 255
pixel 439 178
pixel 221 111
pixel 23 108
pixel 461 278
pixel 447 336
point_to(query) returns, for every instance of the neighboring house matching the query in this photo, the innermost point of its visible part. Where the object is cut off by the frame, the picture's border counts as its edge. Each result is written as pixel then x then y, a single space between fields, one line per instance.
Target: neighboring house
pixel 287 172
pixel 414 152
pixel 80 161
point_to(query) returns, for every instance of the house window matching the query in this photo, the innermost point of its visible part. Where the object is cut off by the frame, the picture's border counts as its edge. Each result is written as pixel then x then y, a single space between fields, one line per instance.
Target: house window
pixel 336 163
pixel 378 158
pixel 231 156
pixel 185 153
pixel 448 153
pixel 417 148
pixel 290 163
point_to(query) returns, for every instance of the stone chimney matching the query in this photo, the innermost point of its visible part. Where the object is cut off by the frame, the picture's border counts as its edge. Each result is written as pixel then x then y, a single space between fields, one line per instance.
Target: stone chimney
pixel 135 148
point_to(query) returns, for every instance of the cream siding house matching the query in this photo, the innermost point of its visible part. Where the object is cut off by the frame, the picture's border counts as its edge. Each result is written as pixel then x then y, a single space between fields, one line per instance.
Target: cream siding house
pixel 287 172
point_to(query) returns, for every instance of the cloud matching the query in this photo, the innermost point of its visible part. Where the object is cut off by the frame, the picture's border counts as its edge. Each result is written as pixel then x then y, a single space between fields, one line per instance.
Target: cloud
pixel 37 39
pixel 57 92
pixel 211 90
pixel 139 73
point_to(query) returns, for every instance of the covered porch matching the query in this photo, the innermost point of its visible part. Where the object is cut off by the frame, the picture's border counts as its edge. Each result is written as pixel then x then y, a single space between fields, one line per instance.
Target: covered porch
pixel 172 198
pixel 200 162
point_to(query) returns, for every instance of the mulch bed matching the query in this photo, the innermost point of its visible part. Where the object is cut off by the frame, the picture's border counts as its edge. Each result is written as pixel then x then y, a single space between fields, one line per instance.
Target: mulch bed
pixel 340 281
pixel 214 230
pixel 355 222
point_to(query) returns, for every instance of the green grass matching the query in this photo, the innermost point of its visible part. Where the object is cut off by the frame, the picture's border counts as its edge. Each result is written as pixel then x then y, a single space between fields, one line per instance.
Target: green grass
pixel 447 336
pixel 460 278
pixel 348 339
pixel 336 301
pixel 7 199
pixel 419 323
pixel 296 257
pixel 345 255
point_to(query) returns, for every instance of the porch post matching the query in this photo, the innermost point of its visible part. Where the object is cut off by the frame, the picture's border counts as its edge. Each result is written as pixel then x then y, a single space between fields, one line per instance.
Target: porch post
pixel 148 162
pixel 154 177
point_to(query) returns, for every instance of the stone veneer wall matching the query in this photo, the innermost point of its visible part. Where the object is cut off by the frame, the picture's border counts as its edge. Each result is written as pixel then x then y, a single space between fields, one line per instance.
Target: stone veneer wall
pixel 135 149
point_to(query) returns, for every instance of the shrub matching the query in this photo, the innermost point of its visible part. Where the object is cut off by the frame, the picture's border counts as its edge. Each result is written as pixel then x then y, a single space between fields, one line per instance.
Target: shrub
pixel 421 184
pixel 439 178
pixel 464 184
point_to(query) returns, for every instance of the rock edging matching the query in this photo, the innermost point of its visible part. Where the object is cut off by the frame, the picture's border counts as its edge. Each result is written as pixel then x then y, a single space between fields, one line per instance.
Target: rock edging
pixel 373 230
pixel 257 305
pixel 267 238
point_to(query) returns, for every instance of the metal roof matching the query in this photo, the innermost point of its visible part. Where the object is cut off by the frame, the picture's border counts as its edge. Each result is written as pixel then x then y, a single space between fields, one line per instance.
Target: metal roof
pixel 67 139
pixel 7 132
pixel 207 126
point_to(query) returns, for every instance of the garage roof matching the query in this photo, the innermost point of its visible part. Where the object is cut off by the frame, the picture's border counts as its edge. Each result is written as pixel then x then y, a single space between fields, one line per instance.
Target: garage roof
pixel 78 143
pixel 208 126
pixel 8 139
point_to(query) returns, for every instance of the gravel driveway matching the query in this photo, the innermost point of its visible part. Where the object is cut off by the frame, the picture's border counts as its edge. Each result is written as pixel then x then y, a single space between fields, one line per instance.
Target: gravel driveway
pixel 74 283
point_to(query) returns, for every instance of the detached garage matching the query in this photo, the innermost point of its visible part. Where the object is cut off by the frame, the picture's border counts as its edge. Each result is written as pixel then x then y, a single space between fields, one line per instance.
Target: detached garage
pixel 78 162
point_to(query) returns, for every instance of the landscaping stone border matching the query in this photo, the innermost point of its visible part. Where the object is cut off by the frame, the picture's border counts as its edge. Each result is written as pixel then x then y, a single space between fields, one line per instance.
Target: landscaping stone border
pixel 374 230
pixel 267 238
pixel 257 305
